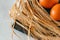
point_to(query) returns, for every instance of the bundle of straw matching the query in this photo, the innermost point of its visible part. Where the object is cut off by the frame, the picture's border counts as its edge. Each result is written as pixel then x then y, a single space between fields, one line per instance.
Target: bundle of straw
pixel 35 20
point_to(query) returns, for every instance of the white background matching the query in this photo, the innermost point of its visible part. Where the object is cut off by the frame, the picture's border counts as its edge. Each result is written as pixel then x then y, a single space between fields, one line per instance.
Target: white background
pixel 5 29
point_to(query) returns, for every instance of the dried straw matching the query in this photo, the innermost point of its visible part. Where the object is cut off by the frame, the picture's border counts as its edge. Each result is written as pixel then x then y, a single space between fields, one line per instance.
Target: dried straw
pixel 35 19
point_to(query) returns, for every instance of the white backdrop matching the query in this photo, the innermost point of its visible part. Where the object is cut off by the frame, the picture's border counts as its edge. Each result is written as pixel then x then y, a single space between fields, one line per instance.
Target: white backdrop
pixel 5 30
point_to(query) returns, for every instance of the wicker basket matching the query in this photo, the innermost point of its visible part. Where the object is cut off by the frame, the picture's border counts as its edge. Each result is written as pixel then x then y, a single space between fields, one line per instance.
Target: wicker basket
pixel 34 20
